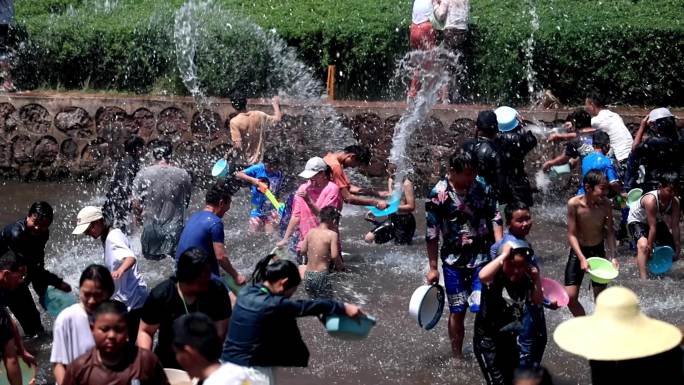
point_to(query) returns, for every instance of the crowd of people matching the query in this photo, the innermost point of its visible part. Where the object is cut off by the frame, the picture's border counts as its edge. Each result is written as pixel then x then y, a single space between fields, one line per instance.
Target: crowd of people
pixel 222 326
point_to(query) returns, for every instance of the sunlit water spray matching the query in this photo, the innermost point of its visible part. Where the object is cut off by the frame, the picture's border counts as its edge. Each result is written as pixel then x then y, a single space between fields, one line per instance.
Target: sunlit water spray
pixel 532 84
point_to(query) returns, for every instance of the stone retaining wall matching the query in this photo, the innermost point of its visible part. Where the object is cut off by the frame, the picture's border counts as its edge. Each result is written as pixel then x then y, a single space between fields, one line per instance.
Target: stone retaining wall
pixel 59 135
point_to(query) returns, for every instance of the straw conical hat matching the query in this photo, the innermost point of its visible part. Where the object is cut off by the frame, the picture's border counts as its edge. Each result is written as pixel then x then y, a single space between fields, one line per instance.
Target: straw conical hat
pixel 617 330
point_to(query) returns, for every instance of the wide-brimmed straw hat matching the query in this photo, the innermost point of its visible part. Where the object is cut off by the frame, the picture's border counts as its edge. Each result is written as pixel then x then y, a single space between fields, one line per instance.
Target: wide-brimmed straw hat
pixel 617 330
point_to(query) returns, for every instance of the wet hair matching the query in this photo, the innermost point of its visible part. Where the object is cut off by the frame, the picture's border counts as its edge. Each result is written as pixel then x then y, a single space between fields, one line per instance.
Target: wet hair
pixel 598 99
pixel 271 159
pixel 594 178
pixel 42 210
pixel 461 161
pixel 538 373
pixel 669 179
pixel 191 264
pixel 487 123
pixel 238 101
pixel 133 144
pixel 328 172
pixel 99 274
pixel 361 153
pixel 270 270
pixel 111 306
pixel 512 208
pixel 222 190
pixel 600 139
pixel 579 119
pixel 329 214
pixel 198 331
pixel 11 261
pixel 162 149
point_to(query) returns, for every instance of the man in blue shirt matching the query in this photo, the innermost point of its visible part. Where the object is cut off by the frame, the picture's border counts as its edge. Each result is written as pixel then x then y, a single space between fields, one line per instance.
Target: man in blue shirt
pixel 598 160
pixel 204 230
pixel 262 176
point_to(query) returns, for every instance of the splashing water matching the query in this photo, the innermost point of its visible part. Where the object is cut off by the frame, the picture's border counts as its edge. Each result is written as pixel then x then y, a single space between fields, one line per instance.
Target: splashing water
pixel 532 84
pixel 432 69
pixel 284 73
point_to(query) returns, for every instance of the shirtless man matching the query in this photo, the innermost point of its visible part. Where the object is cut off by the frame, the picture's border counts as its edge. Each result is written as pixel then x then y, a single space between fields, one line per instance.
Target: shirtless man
pixel 590 223
pixel 247 129
pixel 321 249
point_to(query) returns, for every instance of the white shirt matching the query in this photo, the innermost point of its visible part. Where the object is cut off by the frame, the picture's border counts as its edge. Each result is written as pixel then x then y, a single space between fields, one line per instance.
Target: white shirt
pixel 231 374
pixel 454 13
pixel 131 288
pixel 71 335
pixel 613 125
pixel 422 10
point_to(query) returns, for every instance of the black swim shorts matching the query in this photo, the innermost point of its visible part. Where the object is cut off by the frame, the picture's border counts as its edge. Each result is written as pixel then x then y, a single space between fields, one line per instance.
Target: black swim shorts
pixel 573 270
pixel 663 234
pixel 400 227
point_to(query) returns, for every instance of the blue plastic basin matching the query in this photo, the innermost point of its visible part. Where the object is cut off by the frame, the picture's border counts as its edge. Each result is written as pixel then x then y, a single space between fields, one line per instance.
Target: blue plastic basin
pixel 348 328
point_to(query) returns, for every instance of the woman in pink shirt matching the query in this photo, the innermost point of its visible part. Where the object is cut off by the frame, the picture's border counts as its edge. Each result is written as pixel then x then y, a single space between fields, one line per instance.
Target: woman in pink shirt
pixel 317 192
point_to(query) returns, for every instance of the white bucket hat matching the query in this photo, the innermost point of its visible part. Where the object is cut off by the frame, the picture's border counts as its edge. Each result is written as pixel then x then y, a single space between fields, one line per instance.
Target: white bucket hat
pixel 659 113
pixel 85 217
pixel 617 330
pixel 313 167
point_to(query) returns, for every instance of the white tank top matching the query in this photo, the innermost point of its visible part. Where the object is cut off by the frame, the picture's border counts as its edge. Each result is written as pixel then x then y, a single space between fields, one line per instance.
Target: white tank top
pixel 637 211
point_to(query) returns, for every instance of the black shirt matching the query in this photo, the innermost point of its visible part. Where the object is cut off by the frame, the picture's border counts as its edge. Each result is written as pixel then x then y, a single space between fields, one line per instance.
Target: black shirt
pixel 30 248
pixel 499 314
pixel 164 305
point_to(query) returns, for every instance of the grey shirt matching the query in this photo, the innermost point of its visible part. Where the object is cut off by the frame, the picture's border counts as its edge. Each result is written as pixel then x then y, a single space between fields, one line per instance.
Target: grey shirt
pixel 164 193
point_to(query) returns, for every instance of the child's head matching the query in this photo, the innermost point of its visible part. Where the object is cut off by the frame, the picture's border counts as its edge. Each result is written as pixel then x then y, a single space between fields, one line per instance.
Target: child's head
pixel 271 162
pixel 110 328
pixel 518 262
pixel 220 195
pixel 595 184
pixel 462 170
pixel 669 185
pixel 12 270
pixel 238 100
pixel 487 124
pixel 193 271
pixel 601 140
pixel 595 102
pixel 329 215
pixel 196 343
pixel 356 156
pixel 95 286
pixel 578 119
pixel 279 275
pixel 39 217
pixel 518 219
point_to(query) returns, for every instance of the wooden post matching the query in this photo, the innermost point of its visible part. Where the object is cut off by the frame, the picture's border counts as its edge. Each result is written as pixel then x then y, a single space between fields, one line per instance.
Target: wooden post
pixel 331 82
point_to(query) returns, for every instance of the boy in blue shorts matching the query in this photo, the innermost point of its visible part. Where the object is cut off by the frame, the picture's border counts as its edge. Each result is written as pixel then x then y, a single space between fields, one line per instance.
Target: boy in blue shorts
pixel 262 176
pixel 460 212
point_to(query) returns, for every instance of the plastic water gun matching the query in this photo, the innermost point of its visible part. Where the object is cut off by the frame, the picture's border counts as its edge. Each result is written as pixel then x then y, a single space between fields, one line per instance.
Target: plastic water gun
pixel 269 195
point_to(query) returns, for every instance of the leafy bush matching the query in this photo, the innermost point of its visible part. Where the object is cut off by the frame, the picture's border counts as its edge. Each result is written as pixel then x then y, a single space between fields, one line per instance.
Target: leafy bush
pixel 631 48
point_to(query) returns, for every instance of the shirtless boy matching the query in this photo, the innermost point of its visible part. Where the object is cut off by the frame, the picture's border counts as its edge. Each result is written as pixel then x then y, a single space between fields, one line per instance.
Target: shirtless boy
pixel 321 248
pixel 590 223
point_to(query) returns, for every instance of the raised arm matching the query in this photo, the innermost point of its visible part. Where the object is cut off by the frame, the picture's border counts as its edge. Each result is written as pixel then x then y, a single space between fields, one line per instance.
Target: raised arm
pixel 410 197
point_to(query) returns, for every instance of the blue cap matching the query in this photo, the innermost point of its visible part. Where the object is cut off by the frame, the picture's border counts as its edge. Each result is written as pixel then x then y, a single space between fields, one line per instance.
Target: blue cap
pixel 506 118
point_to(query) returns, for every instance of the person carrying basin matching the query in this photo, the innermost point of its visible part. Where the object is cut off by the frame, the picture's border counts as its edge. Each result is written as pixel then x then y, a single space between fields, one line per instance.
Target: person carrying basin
pixel 657 155
pixel 247 129
pixel 263 331
pixel 514 144
pixel 532 337
pixel 597 160
pixel 191 290
pixel 399 226
pixel 27 238
pixel 204 230
pixel 161 195
pixel 654 220
pixel 460 212
pixel 311 196
pixel 119 259
pixel 511 285
pixel 488 159
pixel 71 335
pixel 612 124
pixel 579 141
pixel 590 234
pixel 265 175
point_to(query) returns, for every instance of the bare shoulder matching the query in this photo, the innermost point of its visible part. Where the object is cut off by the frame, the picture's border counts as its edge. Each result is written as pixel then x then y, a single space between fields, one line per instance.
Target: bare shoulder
pixel 575 201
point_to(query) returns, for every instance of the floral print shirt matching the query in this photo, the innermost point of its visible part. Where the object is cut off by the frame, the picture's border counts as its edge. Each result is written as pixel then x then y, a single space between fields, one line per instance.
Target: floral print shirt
pixel 464 223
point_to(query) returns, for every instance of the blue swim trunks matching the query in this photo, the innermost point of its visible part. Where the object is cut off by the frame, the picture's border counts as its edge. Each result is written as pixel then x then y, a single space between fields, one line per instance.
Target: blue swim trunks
pixel 463 288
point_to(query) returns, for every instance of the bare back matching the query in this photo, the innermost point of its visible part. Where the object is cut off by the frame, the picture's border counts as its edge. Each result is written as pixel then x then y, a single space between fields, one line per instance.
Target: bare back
pixel 320 246
pixel 590 220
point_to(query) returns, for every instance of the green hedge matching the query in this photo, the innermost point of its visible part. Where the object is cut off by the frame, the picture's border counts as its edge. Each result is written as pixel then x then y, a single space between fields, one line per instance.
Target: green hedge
pixel 630 48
